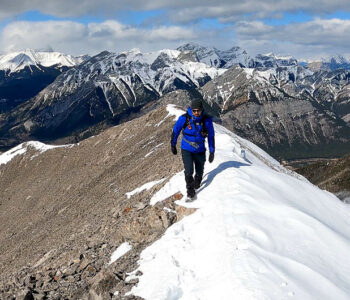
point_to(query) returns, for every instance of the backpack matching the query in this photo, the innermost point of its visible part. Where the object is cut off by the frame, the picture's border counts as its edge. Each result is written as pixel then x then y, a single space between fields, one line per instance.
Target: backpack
pixel 204 130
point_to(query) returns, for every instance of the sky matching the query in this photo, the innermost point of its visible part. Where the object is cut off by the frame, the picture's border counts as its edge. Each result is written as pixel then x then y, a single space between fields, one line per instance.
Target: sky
pixel 305 29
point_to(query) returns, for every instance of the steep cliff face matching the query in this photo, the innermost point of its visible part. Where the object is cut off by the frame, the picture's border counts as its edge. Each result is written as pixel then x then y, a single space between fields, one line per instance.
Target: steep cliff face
pixel 278 110
pixel 332 89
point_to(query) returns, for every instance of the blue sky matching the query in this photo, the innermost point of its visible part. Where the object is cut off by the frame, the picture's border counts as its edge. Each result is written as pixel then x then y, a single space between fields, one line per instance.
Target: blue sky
pixel 298 28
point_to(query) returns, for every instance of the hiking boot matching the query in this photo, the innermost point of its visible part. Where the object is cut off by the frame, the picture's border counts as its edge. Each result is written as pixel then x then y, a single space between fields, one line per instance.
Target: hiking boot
pixel 191 193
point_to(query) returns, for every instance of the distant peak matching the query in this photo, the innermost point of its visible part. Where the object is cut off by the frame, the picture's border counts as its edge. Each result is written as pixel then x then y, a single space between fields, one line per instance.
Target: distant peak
pixel 17 60
pixel 135 51
pixel 190 46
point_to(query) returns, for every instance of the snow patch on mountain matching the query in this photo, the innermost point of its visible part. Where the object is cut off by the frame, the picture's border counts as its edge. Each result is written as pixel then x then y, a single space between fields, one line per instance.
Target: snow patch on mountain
pixel 120 251
pixel 146 186
pixel 23 148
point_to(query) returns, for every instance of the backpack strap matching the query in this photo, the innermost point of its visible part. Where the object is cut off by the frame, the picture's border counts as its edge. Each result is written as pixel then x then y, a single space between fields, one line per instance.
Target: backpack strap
pixel 188 117
pixel 204 130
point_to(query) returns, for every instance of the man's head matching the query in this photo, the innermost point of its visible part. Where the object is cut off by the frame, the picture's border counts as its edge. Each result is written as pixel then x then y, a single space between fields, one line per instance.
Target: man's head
pixel 197 107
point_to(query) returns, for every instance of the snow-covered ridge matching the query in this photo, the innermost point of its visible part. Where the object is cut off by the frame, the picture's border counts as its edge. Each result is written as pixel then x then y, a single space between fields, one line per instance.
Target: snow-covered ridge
pixel 259 232
pixel 218 58
pixel 18 60
pixel 149 57
pixel 338 58
pixel 157 72
pixel 23 148
pixel 284 73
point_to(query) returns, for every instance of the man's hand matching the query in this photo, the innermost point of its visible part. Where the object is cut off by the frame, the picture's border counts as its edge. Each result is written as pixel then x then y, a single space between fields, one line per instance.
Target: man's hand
pixel 211 157
pixel 173 149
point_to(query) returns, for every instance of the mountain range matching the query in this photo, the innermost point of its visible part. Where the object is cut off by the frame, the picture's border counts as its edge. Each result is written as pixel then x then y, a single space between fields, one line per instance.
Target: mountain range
pixel 289 109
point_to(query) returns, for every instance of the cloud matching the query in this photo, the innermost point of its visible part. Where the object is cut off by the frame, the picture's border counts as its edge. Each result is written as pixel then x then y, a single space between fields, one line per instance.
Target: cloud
pixel 178 11
pixel 243 25
pixel 76 38
pixel 316 37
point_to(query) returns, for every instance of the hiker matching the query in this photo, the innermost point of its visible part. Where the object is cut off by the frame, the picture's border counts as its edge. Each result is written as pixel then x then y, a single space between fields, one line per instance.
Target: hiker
pixel 195 126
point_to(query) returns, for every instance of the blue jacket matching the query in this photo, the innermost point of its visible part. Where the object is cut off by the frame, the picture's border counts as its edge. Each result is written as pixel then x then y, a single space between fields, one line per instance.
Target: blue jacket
pixel 192 139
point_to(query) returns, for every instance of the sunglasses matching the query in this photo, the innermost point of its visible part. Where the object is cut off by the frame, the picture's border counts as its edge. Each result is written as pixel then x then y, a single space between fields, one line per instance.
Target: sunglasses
pixel 196 110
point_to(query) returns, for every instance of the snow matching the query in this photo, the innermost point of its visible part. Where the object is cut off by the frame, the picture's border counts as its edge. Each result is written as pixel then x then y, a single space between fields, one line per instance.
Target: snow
pixel 154 149
pixel 148 58
pixel 18 60
pixel 260 231
pixel 249 72
pixel 172 111
pixel 197 70
pixel 22 148
pixel 121 250
pixel 147 186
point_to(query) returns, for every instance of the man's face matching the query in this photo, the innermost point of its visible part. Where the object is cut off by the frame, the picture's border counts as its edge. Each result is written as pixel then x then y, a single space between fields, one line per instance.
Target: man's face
pixel 196 112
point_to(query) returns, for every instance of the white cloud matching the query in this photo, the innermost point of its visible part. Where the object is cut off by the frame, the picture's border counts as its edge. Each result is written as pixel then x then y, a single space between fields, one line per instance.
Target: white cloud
pixel 243 26
pixel 76 38
pixel 180 10
pixel 314 38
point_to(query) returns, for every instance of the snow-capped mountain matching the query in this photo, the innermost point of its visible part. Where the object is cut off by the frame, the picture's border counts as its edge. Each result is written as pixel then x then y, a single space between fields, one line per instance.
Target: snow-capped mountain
pixel 23 74
pixel 236 56
pixel 105 87
pixel 272 60
pixel 275 110
pixel 218 58
pixel 330 63
pixel 16 61
pixel 274 101
pixel 255 231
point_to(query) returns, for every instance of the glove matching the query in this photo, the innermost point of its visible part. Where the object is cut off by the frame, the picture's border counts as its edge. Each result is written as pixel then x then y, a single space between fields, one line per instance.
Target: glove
pixel 173 149
pixel 211 157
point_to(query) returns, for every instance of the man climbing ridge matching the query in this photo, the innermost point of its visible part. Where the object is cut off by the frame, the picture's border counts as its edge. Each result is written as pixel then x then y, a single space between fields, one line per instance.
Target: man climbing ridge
pixel 195 126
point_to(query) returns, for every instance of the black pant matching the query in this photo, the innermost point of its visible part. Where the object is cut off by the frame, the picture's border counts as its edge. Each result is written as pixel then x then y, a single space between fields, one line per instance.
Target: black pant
pixel 198 159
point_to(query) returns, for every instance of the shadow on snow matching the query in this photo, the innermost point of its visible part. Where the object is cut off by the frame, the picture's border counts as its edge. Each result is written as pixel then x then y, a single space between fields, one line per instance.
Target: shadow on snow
pixel 220 168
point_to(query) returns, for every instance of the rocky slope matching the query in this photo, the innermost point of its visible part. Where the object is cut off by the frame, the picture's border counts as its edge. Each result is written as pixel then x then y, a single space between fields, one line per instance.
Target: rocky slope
pixel 332 175
pixel 64 211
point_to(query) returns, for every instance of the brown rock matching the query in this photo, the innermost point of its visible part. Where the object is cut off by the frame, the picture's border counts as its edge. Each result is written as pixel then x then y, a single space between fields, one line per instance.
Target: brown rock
pixel 104 282
pixel 182 211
